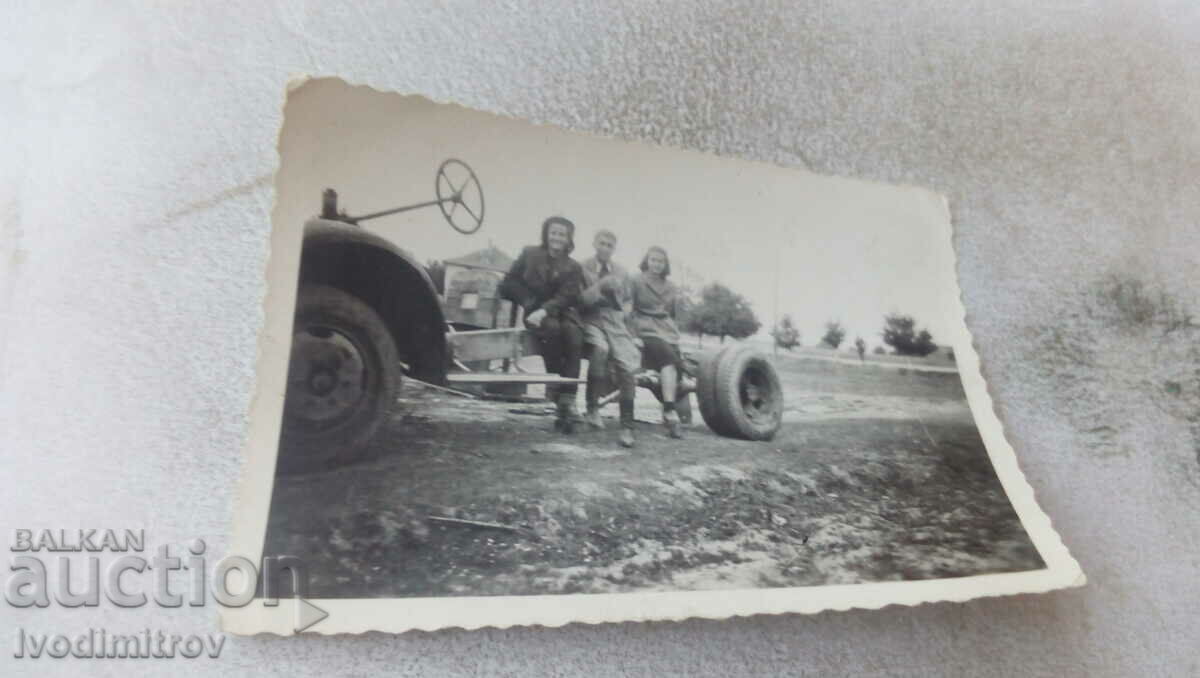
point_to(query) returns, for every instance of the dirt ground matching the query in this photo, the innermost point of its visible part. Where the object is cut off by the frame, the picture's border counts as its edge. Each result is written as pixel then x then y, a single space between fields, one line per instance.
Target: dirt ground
pixel 878 474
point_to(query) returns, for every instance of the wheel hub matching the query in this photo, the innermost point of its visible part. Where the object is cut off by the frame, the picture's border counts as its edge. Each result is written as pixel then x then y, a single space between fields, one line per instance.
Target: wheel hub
pixel 327 376
pixel 754 395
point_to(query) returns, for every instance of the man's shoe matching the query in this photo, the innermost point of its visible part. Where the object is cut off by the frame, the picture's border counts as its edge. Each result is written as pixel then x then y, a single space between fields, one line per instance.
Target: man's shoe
pixel 626 437
pixel 594 420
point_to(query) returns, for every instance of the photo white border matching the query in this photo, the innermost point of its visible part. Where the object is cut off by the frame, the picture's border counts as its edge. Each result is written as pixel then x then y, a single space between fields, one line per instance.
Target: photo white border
pixel 394 615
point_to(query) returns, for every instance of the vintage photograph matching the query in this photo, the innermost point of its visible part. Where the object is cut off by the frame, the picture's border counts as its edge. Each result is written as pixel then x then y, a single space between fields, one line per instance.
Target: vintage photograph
pixel 507 360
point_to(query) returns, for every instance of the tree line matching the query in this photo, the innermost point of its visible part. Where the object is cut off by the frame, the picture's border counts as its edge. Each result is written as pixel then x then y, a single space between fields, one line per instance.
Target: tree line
pixel 899 332
pixel 719 311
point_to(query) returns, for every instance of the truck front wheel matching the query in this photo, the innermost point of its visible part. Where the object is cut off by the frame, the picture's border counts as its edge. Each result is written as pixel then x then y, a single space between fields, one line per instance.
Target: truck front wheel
pixel 343 379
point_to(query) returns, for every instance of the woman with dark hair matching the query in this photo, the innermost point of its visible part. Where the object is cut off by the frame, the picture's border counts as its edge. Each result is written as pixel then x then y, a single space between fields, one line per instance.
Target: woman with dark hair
pixel 655 303
pixel 546 282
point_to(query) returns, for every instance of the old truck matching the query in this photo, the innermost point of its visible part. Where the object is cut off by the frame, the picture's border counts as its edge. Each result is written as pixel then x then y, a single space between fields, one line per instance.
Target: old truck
pixel 368 316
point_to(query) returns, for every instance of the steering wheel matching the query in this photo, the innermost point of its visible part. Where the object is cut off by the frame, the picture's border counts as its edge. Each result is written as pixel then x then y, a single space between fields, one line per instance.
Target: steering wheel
pixel 459 193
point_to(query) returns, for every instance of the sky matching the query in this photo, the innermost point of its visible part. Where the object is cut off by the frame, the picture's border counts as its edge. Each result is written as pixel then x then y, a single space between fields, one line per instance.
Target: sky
pixel 792 242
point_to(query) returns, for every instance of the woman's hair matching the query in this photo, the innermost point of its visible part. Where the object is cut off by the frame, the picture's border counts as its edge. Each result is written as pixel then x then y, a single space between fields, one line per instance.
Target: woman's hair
pixel 564 222
pixel 646 260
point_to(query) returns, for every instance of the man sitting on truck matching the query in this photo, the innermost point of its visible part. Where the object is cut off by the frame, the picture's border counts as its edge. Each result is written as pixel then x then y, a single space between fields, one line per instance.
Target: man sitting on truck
pixel 605 303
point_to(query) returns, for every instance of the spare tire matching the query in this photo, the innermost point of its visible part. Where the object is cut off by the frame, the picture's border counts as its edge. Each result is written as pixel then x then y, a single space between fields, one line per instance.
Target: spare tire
pixel 706 392
pixel 343 379
pixel 747 395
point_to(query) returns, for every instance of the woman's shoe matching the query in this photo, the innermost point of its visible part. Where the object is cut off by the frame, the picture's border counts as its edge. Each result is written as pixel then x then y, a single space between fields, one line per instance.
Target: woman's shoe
pixel 626 437
pixel 671 420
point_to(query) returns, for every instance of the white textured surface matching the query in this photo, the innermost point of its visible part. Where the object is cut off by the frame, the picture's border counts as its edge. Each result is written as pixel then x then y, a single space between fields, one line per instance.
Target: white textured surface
pixel 136 149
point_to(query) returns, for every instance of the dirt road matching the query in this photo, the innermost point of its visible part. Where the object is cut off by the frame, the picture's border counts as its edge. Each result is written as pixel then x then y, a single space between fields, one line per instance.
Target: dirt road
pixel 876 475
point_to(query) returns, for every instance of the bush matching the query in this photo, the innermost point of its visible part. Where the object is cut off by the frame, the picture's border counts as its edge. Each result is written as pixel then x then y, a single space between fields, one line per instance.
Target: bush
pixel 834 334
pixel 899 332
pixel 786 334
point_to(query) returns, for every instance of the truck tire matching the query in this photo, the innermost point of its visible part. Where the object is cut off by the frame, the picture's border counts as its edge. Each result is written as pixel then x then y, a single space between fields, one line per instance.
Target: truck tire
pixel 706 392
pixel 343 379
pixel 748 394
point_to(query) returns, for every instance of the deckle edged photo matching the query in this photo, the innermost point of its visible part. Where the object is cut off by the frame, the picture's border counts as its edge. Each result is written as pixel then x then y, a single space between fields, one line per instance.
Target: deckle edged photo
pixel 511 374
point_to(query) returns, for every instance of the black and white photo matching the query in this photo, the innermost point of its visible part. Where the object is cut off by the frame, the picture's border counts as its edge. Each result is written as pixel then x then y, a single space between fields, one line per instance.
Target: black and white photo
pixel 513 375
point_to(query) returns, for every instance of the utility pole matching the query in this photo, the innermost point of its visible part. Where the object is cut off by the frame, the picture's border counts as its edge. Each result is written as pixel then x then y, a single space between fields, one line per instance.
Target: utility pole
pixel 775 323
